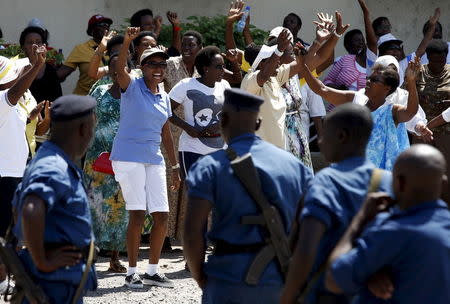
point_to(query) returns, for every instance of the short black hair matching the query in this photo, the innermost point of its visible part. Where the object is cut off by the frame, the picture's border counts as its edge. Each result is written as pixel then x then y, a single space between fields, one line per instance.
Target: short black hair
pixel 116 40
pixel 33 29
pixel 205 57
pixel 196 35
pixel 437 46
pixel 137 40
pixel 251 52
pixel 384 47
pixel 390 76
pixel 116 54
pixel 355 120
pixel 426 26
pixel 135 20
pixel 299 20
pixel 378 22
pixel 348 38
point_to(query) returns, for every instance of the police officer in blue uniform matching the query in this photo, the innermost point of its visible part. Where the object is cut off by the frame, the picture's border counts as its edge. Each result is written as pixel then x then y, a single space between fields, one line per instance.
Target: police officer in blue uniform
pixel 410 243
pixel 335 195
pixel 51 206
pixel 213 186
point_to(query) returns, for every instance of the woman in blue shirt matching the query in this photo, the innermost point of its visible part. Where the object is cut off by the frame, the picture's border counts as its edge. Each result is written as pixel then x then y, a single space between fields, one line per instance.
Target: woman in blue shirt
pixel 389 136
pixel 137 160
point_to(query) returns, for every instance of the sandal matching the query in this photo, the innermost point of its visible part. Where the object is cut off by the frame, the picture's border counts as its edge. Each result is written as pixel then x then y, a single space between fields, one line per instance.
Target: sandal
pixel 116 267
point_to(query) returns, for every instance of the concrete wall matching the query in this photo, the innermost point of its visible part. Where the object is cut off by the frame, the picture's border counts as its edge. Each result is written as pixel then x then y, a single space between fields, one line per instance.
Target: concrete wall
pixel 67 20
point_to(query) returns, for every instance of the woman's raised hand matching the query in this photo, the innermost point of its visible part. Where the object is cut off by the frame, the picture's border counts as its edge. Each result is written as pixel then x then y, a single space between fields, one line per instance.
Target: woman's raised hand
pixel 132 33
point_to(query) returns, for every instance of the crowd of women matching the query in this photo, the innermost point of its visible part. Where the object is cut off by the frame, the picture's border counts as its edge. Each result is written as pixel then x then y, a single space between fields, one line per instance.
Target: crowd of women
pixel 147 95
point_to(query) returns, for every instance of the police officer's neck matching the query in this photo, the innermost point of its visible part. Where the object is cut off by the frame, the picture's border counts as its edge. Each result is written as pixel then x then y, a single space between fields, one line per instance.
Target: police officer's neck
pixel 70 147
pixel 236 132
pixel 345 152
pixel 416 197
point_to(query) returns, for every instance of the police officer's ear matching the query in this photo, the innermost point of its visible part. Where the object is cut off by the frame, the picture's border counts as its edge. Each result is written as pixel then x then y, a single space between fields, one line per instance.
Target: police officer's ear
pixel 258 124
pixel 444 182
pixel 343 135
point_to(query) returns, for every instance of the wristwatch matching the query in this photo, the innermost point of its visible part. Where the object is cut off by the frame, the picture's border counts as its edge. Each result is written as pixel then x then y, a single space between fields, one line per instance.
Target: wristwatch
pixel 174 167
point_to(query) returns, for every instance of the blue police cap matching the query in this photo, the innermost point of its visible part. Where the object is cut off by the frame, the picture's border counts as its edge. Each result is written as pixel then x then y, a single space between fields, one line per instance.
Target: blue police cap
pixel 72 107
pixel 242 100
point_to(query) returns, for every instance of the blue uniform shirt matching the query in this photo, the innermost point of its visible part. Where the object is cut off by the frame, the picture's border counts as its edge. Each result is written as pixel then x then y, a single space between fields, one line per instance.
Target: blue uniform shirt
pixel 335 196
pixel 284 180
pixel 53 177
pixel 414 245
pixel 142 116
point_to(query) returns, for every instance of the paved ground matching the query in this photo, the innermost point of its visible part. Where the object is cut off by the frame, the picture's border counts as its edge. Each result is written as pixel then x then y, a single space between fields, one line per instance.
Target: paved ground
pixel 111 288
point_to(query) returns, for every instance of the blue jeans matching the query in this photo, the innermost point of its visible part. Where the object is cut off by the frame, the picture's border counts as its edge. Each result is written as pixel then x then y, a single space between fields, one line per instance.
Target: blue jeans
pixel 222 292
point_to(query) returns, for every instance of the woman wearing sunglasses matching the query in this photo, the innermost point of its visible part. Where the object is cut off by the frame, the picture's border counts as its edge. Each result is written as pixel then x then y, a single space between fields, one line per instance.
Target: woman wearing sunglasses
pixel 202 100
pixel 389 136
pixel 137 160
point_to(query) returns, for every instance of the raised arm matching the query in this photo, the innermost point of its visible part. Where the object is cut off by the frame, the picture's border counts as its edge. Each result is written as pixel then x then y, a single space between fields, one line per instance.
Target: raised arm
pixel 123 77
pixel 95 71
pixel 336 97
pixel 429 34
pixel 24 82
pixel 234 14
pixel 326 39
pixel 272 63
pixel 233 57
pixel 405 113
pixel 371 37
pixel 246 33
pixel 176 30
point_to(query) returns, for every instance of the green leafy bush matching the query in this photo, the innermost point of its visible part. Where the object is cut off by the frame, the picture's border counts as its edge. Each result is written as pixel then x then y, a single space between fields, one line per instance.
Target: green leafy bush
pixel 212 29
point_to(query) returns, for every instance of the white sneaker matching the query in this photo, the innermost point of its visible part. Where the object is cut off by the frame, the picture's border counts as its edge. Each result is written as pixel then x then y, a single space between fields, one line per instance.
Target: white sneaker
pixel 157 280
pixel 134 281
pixel 4 287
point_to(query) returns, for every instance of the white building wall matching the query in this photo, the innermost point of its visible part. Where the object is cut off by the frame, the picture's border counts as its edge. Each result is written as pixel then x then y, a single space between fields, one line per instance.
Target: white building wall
pixel 67 20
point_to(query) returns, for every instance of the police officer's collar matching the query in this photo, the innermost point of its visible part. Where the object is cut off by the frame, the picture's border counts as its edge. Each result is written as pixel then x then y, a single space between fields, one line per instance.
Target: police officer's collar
pixel 243 136
pixel 419 207
pixel 353 161
pixel 52 146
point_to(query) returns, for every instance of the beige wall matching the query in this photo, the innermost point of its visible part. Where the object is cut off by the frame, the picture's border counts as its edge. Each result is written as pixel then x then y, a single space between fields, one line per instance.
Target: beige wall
pixel 66 20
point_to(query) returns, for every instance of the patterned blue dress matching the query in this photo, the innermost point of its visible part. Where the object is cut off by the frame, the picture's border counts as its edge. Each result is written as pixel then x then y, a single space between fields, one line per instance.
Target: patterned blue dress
pixel 387 141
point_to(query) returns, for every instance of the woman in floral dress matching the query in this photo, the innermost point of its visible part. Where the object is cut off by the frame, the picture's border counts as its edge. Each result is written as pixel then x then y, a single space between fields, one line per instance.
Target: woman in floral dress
pixel 296 140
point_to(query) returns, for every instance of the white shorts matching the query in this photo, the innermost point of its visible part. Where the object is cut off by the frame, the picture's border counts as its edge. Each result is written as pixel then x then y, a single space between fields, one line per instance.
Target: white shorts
pixel 143 186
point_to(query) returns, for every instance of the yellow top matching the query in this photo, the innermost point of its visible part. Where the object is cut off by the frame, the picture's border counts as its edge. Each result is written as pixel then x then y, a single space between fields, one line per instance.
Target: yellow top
pixel 314 73
pixel 245 66
pixel 27 103
pixel 80 57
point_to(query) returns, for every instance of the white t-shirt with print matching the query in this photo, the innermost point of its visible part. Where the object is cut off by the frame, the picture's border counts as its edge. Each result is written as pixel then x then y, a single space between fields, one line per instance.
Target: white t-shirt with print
pixel 14 148
pixel 202 106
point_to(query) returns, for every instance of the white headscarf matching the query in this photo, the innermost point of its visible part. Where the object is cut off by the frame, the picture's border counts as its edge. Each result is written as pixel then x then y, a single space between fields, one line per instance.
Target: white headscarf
pixel 266 52
pixel 386 60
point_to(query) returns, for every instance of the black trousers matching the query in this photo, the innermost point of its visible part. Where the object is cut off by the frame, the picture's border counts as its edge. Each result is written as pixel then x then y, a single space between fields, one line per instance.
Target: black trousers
pixel 8 186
